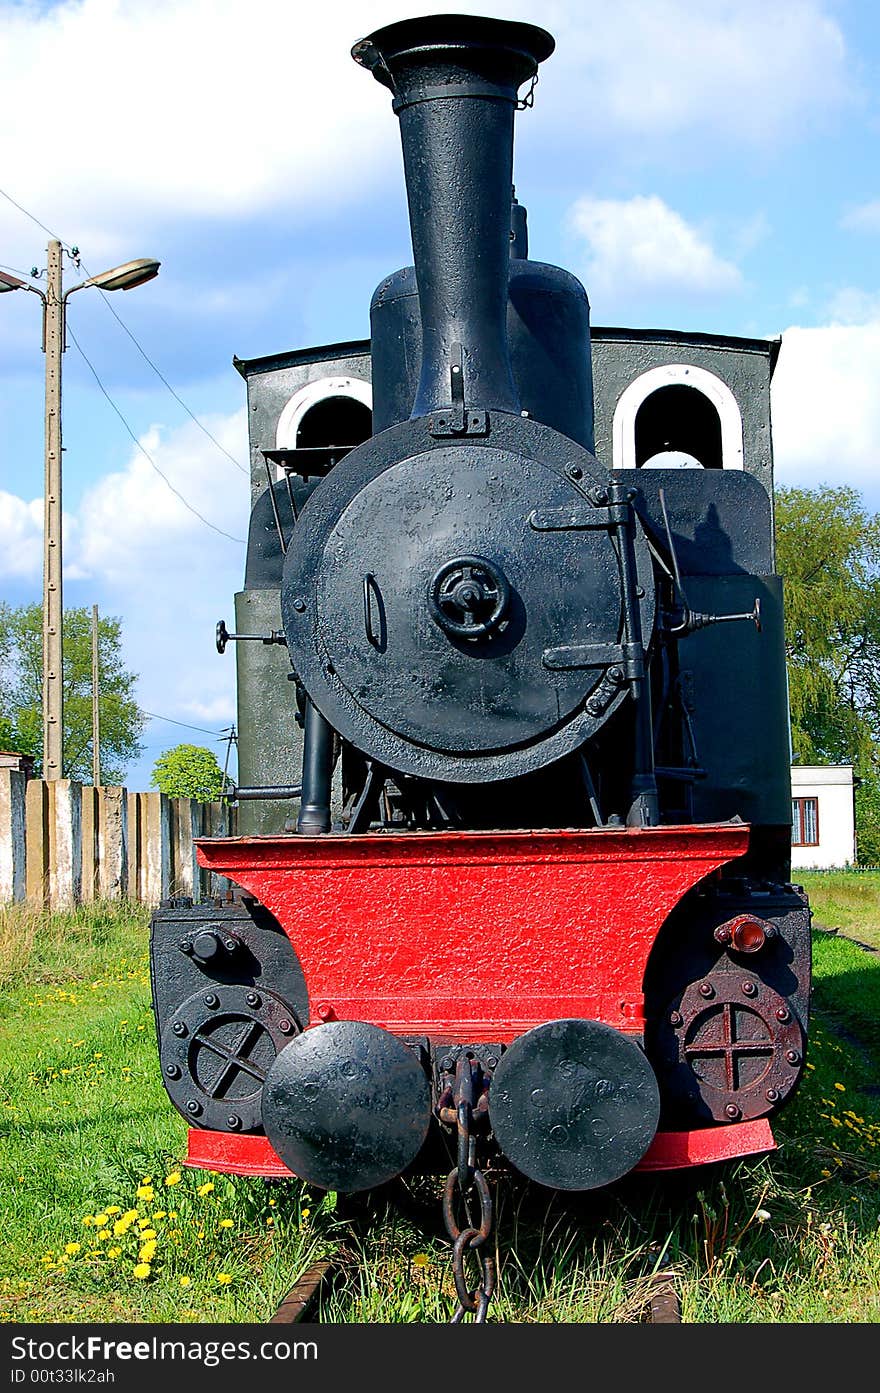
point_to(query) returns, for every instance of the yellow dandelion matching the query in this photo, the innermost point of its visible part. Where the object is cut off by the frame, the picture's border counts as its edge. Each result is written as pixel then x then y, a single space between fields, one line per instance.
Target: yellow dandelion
pixel 159 1214
pixel 840 1088
pixel 143 1223
pixel 226 1223
pixel 148 1251
pixel 88 1220
pixel 206 1188
pixel 72 1247
pixel 172 1214
pixel 101 1220
pixel 421 1260
pixel 186 1281
pixel 305 1213
pixel 270 1222
pixel 148 1179
pixel 224 1279
pixel 173 1179
pixel 113 1209
pixel 144 1192
pixel 147 1235
pixel 104 1234
pixel 113 1252
pixel 142 1271
pixel 826 1174
pixel 272 1204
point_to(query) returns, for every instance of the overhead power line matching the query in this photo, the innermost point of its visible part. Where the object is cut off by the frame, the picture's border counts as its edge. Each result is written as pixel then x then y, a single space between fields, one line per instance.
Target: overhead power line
pixel 147 359
pixel 221 734
pixel 163 379
pixel 11 200
pixel 144 451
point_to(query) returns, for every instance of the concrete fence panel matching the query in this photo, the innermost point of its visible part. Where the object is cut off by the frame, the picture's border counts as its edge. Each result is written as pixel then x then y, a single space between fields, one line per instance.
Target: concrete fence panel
pixel 114 867
pixel 63 843
pixel 12 842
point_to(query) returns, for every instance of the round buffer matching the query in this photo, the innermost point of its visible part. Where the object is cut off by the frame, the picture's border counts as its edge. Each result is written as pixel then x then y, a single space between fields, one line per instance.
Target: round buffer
pixel 574 1104
pixel 347 1106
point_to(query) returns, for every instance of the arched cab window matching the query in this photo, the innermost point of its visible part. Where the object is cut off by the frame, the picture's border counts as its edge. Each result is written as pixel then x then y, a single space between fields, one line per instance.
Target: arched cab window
pixel 678 417
pixel 320 424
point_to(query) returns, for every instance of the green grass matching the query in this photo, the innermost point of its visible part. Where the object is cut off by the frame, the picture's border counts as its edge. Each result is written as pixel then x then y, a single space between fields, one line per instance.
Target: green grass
pixel 794 1237
pixel 85 1119
pixel 847 900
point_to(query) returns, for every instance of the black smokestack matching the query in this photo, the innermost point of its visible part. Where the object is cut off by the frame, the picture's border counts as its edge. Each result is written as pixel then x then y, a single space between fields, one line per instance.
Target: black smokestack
pixel 455 81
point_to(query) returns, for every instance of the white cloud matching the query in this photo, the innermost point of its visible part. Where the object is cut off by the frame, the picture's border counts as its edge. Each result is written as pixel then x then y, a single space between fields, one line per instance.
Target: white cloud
pixel 139 553
pixel 21 537
pixel 864 218
pixel 641 245
pixel 826 408
pixel 183 110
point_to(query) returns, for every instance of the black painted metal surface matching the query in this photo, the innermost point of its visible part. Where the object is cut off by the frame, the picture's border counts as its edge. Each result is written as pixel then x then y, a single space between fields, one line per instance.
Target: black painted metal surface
pixel 358 618
pixel 347 1105
pixel 574 1104
pixel 455 82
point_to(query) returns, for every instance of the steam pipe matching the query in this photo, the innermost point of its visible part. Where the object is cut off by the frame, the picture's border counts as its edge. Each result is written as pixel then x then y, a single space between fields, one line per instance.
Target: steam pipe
pixel 455 80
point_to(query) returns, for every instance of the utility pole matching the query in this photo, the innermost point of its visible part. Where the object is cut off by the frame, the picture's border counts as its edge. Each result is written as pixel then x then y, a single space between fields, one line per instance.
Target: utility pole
pixel 96 725
pixel 53 612
pixel 124 277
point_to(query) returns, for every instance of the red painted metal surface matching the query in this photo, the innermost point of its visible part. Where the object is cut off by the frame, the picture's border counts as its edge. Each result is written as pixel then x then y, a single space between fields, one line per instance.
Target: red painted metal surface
pixel 475 935
pixel 235 1155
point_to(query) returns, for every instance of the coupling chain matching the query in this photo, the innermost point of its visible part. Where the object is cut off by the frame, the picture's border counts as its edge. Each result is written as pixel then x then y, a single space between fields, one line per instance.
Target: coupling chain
pixel 471 1184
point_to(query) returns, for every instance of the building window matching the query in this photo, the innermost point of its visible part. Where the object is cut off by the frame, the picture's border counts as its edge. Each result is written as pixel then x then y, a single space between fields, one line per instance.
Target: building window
pixel 805 822
pixel 677 417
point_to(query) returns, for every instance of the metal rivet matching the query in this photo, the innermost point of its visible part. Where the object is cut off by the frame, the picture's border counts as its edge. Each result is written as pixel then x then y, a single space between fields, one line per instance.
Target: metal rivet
pixel 211 1000
pixel 285 1026
pixel 782 1014
pixel 253 999
pixel 793 1056
pixel 706 989
pixel 299 605
pixel 772 1095
pixel 173 1071
pixel 731 1110
pixel 749 989
pixel 179 1028
pixel 230 945
pixel 185 946
pixel 233 1121
pixel 723 935
pixel 574 471
pixel 675 1018
pixel 325 1010
pixel 491 1060
pixel 193 1107
pixel 447 1062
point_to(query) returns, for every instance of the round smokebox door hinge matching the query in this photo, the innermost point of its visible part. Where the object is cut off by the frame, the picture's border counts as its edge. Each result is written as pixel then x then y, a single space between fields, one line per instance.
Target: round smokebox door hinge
pixel 468 596
pixel 730 1048
pixel 216 1051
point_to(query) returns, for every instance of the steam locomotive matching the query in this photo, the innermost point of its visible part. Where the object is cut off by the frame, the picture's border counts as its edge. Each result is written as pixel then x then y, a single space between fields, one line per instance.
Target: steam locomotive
pixel 539 865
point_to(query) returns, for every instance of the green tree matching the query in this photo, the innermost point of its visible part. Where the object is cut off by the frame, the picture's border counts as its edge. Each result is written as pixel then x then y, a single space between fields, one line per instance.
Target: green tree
pixel 21 692
pixel 828 551
pixel 188 771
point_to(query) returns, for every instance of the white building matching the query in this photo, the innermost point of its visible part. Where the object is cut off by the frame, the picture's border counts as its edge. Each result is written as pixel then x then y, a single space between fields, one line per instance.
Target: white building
pixel 823 831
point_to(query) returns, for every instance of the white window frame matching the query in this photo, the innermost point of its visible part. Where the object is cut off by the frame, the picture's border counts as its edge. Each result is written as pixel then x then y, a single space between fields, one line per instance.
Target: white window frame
pixel 309 396
pixel 677 375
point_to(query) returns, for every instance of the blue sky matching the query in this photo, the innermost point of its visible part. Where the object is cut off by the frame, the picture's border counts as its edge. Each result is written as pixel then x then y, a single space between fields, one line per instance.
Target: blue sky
pixel 699 167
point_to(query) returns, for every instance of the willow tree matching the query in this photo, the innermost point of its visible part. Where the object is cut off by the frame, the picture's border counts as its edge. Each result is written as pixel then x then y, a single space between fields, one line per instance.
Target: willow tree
pixel 828 551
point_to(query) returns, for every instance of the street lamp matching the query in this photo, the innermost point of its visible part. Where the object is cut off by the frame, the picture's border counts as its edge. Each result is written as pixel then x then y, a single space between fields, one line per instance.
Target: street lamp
pixel 124 277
